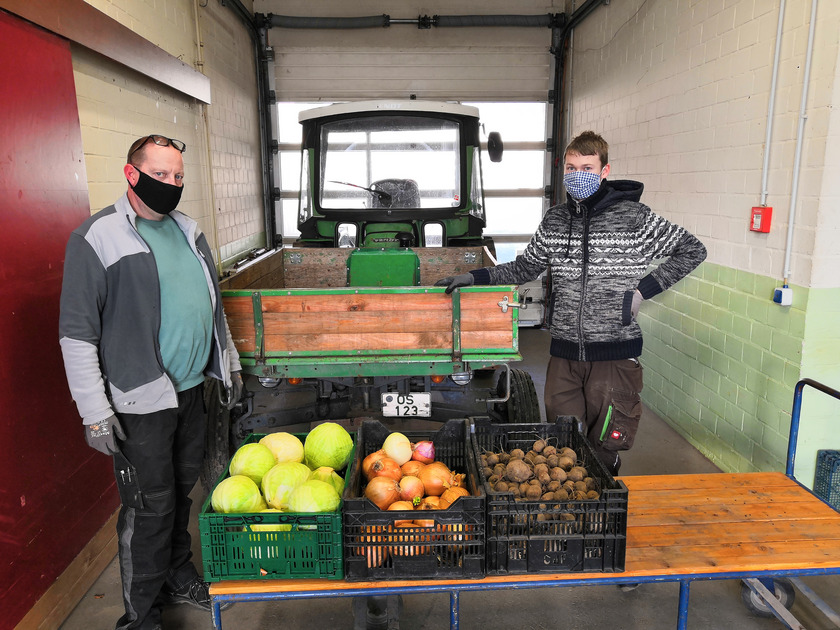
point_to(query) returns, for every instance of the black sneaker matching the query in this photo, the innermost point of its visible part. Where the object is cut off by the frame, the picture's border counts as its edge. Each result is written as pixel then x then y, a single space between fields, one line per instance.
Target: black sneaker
pixel 196 594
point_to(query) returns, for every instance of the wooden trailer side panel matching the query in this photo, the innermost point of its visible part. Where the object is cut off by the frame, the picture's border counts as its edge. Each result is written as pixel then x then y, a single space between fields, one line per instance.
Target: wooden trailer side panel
pixel 314 267
pixel 345 322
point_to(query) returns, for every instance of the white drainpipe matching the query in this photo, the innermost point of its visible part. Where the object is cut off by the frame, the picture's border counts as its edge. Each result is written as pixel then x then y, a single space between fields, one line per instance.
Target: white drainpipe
pixel 799 139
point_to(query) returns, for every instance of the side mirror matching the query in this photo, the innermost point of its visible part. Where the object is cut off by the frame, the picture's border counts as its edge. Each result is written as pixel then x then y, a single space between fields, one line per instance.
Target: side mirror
pixel 495 146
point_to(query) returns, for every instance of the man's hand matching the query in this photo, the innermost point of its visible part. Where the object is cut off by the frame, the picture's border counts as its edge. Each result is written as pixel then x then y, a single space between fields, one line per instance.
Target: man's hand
pixel 236 387
pixel 637 302
pixel 102 435
pixel 454 282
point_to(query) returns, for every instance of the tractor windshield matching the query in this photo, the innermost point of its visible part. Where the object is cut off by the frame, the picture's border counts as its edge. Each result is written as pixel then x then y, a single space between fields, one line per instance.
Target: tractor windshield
pixel 391 161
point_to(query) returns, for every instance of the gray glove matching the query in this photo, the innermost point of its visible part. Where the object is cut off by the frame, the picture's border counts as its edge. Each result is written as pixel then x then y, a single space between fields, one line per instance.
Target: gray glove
pixel 102 435
pixel 454 282
pixel 236 387
pixel 637 302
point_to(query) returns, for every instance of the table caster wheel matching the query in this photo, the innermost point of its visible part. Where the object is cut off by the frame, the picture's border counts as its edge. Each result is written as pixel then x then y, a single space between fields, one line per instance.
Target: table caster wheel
pixel 782 589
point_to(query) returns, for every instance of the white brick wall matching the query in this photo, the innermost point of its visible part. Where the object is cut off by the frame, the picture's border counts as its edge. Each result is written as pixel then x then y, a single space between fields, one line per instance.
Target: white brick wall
pixel 169 24
pixel 234 128
pixel 680 88
pixel 116 106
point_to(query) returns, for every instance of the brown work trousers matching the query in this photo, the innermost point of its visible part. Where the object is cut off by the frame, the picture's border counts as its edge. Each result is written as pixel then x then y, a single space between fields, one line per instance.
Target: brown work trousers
pixel 604 396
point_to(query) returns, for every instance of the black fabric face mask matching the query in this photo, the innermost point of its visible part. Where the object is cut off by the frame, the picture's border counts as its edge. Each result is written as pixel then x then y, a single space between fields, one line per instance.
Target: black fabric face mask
pixel 161 197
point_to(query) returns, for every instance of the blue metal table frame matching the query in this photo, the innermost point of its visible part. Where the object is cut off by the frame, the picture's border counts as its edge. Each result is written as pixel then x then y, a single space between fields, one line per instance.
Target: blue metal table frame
pixel 257 590
pixel 511 582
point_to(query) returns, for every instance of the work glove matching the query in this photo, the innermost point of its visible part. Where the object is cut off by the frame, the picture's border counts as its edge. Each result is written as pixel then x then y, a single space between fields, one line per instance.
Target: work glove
pixel 455 282
pixel 637 302
pixel 102 435
pixel 236 387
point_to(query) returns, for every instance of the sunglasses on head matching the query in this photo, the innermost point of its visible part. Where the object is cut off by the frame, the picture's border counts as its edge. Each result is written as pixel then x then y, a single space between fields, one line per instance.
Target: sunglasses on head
pixel 161 141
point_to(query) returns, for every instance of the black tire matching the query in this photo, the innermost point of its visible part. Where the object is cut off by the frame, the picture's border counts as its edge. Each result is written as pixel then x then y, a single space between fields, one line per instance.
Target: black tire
pixel 217 446
pixel 783 590
pixel 523 406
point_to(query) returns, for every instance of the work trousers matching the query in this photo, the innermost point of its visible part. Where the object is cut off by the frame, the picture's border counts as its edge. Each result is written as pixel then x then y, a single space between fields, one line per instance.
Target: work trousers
pixel 604 396
pixel 159 463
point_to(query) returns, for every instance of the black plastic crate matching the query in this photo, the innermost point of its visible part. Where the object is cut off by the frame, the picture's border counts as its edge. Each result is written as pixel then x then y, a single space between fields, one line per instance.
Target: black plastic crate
pixel 452 548
pixel 551 537
pixel 827 477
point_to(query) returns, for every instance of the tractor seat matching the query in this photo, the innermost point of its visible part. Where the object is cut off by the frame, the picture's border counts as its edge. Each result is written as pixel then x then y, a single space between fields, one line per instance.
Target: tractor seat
pixel 404 193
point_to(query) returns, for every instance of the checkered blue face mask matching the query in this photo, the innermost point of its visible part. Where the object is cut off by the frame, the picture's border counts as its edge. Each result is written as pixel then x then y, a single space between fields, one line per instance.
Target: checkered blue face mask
pixel 582 184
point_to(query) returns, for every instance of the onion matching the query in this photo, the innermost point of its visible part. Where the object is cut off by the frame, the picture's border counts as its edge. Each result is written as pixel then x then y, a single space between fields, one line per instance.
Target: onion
pixel 411 489
pixel 436 478
pixel 423 452
pixel 412 468
pixel 397 447
pixel 369 461
pixel 401 505
pixel 410 537
pixel 382 491
pixel 455 533
pixel 374 550
pixel 451 495
pixel 429 503
pixel 386 467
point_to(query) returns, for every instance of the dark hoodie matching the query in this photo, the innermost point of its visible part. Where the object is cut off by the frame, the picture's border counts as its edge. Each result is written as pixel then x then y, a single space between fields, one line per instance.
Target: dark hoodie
pixel 598 251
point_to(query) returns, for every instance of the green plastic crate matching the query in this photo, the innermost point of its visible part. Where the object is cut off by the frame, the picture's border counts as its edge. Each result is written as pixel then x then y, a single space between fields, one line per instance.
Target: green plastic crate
pixel 308 547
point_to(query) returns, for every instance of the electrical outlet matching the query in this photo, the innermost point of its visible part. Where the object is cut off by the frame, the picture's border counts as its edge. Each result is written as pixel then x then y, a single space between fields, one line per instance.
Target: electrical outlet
pixel 783 295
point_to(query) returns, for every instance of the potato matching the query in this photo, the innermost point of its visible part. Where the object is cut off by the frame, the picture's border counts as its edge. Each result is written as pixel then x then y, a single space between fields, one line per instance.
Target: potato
pixel 566 463
pixel 578 473
pixel 518 471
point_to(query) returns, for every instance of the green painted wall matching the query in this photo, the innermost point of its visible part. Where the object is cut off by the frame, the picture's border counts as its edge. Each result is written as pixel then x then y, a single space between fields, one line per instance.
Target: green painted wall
pixel 722 361
pixel 820 415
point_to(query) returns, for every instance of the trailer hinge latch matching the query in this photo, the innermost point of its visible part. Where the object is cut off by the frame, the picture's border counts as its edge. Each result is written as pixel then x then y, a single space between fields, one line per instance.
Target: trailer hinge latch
pixel 505 304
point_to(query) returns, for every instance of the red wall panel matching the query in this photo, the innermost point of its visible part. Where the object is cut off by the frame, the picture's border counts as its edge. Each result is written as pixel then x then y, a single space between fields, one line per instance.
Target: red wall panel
pixel 55 492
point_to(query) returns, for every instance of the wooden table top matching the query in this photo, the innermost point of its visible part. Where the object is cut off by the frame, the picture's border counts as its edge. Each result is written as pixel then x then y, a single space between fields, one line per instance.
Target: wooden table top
pixel 690 524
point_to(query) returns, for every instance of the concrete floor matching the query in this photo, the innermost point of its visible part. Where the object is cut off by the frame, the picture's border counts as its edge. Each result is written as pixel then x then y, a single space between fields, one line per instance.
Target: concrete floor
pixel 715 604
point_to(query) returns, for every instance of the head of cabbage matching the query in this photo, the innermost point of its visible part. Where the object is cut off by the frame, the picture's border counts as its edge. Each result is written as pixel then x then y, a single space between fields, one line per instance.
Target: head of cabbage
pixel 285 446
pixel 328 444
pixel 269 527
pixel 328 475
pixel 314 496
pixel 278 483
pixel 236 495
pixel 252 460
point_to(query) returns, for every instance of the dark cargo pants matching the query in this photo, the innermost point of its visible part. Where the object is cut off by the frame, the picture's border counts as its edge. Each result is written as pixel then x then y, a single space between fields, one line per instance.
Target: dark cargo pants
pixel 592 391
pixel 159 463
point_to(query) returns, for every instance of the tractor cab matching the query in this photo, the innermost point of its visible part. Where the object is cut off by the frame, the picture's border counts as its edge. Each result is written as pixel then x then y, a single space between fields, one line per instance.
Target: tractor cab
pixel 389 175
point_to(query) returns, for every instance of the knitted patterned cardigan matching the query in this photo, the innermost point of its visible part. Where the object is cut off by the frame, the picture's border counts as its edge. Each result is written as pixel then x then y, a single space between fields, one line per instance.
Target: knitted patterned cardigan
pixel 598 252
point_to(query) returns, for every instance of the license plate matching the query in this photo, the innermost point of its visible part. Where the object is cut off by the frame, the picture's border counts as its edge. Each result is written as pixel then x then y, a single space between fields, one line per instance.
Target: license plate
pixel 407 405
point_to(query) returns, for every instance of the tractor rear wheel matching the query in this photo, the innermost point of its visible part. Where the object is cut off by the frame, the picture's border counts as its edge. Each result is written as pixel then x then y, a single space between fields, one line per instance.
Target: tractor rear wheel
pixel 217 442
pixel 523 406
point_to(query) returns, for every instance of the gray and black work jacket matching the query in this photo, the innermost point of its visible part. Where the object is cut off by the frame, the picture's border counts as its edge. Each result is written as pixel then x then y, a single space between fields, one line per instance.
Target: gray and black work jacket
pixel 598 251
pixel 110 317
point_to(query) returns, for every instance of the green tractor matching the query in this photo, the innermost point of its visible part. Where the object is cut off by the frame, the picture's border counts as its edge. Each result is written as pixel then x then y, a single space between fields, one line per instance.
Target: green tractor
pixel 393 174
pixel 347 323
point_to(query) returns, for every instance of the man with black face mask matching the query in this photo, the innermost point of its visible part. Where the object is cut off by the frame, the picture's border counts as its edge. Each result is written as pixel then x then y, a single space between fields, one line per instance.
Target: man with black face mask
pixel 141 327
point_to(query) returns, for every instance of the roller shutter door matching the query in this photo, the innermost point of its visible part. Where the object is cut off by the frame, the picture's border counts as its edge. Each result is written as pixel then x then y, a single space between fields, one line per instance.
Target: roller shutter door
pixel 457 63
